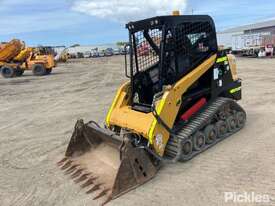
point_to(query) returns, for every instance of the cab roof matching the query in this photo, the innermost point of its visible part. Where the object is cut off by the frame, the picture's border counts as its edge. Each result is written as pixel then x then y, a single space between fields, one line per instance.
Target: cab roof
pixel 169 21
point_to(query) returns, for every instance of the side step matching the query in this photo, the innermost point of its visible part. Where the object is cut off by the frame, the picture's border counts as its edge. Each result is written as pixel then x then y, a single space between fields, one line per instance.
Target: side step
pixel 219 120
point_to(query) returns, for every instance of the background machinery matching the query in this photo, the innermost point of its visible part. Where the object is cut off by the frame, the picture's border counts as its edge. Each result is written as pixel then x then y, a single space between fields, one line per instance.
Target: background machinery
pixel 41 61
pixel 179 101
pixel 15 58
pixel 8 52
pixel 62 56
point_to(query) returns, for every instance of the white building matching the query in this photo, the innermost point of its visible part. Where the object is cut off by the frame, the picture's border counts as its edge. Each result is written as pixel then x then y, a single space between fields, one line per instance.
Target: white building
pixel 244 37
pixel 89 48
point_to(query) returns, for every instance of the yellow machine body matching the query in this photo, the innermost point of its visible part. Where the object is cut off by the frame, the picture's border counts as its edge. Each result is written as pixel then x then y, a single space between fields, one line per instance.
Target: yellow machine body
pixel 180 100
pixel 233 66
pixel 122 115
pixel 15 58
pixel 47 60
pixel 23 55
pixel 10 50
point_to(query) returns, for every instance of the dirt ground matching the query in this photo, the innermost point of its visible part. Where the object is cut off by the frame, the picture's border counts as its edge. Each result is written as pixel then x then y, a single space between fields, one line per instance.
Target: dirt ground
pixel 37 115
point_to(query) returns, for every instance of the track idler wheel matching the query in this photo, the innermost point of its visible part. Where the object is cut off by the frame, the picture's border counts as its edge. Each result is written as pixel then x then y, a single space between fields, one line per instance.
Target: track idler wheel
pixel 198 140
pixel 222 128
pixel 210 133
pixel 231 123
pixel 241 119
pixel 186 150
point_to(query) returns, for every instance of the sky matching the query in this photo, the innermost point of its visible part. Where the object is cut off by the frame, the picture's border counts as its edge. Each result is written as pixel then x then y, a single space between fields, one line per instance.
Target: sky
pixel 86 22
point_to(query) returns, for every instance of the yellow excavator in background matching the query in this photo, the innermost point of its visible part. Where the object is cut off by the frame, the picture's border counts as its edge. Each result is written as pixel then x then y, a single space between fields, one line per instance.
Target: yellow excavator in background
pixel 180 100
pixel 63 56
pixel 15 58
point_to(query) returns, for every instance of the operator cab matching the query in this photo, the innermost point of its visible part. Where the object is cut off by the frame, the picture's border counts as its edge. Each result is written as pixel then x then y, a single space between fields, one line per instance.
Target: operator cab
pixel 163 50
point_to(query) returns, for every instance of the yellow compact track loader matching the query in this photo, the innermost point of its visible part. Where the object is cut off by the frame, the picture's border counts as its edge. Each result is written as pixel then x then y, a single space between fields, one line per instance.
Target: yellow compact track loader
pixel 179 101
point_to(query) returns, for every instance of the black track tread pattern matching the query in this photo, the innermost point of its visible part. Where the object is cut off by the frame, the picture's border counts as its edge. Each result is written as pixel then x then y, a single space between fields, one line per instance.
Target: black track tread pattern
pixel 197 123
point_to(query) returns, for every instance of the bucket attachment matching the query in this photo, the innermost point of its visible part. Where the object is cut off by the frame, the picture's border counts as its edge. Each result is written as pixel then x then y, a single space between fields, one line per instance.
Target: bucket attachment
pixel 104 163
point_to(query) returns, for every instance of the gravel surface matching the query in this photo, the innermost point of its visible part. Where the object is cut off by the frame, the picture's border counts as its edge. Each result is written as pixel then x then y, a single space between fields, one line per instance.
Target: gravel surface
pixel 37 116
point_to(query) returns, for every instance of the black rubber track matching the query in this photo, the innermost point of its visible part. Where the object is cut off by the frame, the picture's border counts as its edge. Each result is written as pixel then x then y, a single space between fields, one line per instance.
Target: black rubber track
pixel 208 115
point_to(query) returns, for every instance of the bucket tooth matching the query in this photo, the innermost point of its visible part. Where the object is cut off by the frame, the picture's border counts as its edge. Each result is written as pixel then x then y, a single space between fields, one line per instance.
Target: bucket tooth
pixel 61 162
pixel 93 189
pixel 77 173
pixel 81 178
pixel 88 182
pixel 108 199
pixel 101 194
pixel 67 165
pixel 71 169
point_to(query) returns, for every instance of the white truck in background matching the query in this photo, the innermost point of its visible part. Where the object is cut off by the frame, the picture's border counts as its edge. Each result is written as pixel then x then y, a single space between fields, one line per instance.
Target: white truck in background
pixel 254 44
